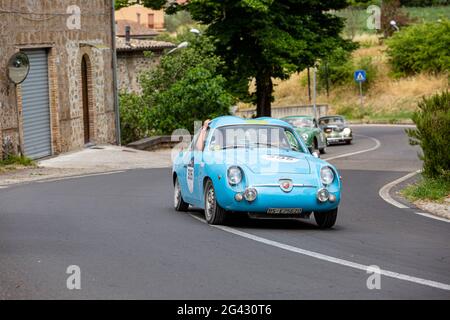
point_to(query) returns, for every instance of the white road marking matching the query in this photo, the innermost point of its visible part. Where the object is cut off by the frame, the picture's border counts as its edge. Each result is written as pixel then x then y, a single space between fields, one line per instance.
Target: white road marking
pixel 3 187
pixel 385 190
pixel 382 125
pixel 78 176
pixel 342 262
pixel 377 145
pixel 432 216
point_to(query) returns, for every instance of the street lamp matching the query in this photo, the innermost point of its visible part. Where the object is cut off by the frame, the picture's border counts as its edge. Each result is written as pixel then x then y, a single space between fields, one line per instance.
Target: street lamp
pixel 394 25
pixel 182 45
pixel 195 31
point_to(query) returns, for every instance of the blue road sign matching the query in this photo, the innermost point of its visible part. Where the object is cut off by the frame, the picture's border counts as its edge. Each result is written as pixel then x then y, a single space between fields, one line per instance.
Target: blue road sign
pixel 360 76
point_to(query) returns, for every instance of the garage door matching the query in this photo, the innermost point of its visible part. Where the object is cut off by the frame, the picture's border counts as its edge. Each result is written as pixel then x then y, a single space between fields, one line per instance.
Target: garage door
pixel 36 107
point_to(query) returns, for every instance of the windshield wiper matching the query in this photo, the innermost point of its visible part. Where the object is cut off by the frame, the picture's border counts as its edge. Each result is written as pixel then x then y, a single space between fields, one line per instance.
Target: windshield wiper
pixel 233 146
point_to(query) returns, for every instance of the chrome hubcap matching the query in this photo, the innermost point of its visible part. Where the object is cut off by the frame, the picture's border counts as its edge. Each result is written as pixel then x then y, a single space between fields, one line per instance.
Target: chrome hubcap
pixel 177 194
pixel 210 203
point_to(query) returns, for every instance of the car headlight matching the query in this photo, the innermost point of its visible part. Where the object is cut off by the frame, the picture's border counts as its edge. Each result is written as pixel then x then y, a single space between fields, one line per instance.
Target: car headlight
pixel 326 175
pixel 347 131
pixel 234 175
pixel 305 137
pixel 250 194
pixel 323 195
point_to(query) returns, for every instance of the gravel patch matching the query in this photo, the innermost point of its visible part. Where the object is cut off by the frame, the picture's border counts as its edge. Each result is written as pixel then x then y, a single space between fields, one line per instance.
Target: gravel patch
pixel 439 209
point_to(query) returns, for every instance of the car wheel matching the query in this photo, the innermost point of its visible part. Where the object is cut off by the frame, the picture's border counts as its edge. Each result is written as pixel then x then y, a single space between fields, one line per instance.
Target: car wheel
pixel 323 150
pixel 214 214
pixel 179 203
pixel 348 142
pixel 326 220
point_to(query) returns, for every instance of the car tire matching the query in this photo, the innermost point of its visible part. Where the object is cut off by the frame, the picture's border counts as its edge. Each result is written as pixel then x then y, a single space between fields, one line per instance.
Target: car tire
pixel 214 213
pixel 326 220
pixel 323 150
pixel 179 203
pixel 348 142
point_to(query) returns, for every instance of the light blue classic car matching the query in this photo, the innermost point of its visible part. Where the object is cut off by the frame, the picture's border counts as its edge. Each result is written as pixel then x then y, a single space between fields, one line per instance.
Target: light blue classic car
pixel 260 167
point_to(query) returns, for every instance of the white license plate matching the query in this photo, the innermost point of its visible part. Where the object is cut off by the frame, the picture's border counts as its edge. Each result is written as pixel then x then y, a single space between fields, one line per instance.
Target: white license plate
pixel 284 211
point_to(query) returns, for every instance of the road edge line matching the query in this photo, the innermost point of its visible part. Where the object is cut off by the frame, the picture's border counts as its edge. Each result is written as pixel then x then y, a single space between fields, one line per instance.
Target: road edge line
pixel 55 179
pixel 323 257
pixel 385 190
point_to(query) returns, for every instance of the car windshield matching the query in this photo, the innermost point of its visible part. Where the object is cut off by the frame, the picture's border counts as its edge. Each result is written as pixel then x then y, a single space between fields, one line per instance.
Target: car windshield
pixel 253 136
pixel 300 122
pixel 332 120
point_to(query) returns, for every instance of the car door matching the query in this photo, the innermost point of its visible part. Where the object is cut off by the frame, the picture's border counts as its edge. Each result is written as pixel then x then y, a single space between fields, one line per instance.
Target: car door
pixel 320 136
pixel 186 176
pixel 199 171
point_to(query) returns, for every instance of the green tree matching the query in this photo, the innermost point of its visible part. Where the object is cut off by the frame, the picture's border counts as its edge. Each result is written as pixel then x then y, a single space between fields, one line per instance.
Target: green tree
pixel 184 87
pixel 119 4
pixel 264 39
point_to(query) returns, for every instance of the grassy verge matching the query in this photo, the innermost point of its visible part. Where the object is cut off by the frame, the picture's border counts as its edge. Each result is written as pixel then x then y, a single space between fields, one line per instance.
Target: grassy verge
pixel 428 189
pixel 356 19
pixel 371 115
pixel 15 162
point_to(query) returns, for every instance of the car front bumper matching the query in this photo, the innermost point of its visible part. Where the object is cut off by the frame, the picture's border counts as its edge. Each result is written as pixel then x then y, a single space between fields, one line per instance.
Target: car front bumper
pixel 338 139
pixel 272 197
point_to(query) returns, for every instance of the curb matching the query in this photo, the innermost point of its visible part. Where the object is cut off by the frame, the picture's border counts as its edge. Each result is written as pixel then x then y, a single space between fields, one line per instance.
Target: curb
pixel 385 191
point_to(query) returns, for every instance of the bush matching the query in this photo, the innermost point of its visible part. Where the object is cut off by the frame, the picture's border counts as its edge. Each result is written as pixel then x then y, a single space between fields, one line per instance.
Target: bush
pixel 16 160
pixel 198 96
pixel 433 135
pixel 424 47
pixel 135 122
pixel 339 68
pixel 424 3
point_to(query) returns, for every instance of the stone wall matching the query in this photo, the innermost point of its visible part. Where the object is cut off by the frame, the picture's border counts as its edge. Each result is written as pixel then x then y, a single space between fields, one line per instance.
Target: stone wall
pixel 69 30
pixel 130 64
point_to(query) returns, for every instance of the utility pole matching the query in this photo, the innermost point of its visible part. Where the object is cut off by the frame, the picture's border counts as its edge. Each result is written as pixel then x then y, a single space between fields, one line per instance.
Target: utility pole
pixel 309 86
pixel 315 93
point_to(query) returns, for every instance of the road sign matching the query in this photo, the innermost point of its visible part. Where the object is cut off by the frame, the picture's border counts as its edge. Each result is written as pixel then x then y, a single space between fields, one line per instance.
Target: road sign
pixel 360 76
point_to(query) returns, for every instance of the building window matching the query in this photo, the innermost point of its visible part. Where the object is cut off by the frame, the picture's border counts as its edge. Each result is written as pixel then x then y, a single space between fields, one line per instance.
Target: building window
pixel 138 16
pixel 151 20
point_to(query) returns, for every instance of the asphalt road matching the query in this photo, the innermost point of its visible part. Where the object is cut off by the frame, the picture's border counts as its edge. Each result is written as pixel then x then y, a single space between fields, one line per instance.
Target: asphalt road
pixel 121 230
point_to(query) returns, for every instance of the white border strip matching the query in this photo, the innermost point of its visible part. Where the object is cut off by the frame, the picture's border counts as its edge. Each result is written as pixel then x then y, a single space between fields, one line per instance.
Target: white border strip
pixel 78 176
pixel 384 192
pixel 342 262
pixel 432 216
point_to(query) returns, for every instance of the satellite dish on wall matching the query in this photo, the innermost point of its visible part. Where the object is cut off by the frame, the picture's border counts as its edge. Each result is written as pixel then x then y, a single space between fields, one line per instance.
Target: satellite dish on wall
pixel 18 67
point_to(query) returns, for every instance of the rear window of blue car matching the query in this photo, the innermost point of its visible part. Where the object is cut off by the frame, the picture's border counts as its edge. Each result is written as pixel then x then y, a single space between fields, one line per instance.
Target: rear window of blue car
pixel 253 136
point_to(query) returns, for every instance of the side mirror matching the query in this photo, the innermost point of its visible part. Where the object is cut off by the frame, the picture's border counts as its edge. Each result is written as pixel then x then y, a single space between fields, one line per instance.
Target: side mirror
pixel 315 154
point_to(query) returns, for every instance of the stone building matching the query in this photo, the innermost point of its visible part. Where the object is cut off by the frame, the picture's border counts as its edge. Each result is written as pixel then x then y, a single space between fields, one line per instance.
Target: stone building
pixel 146 17
pixel 68 98
pixel 132 60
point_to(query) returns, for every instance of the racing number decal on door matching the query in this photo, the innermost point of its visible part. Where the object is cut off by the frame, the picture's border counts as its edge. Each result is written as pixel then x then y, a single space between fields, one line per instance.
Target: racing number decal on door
pixel 190 176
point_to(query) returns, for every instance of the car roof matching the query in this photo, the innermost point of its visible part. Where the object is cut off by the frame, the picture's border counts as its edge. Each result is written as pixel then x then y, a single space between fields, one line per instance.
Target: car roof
pixel 233 120
pixel 335 116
